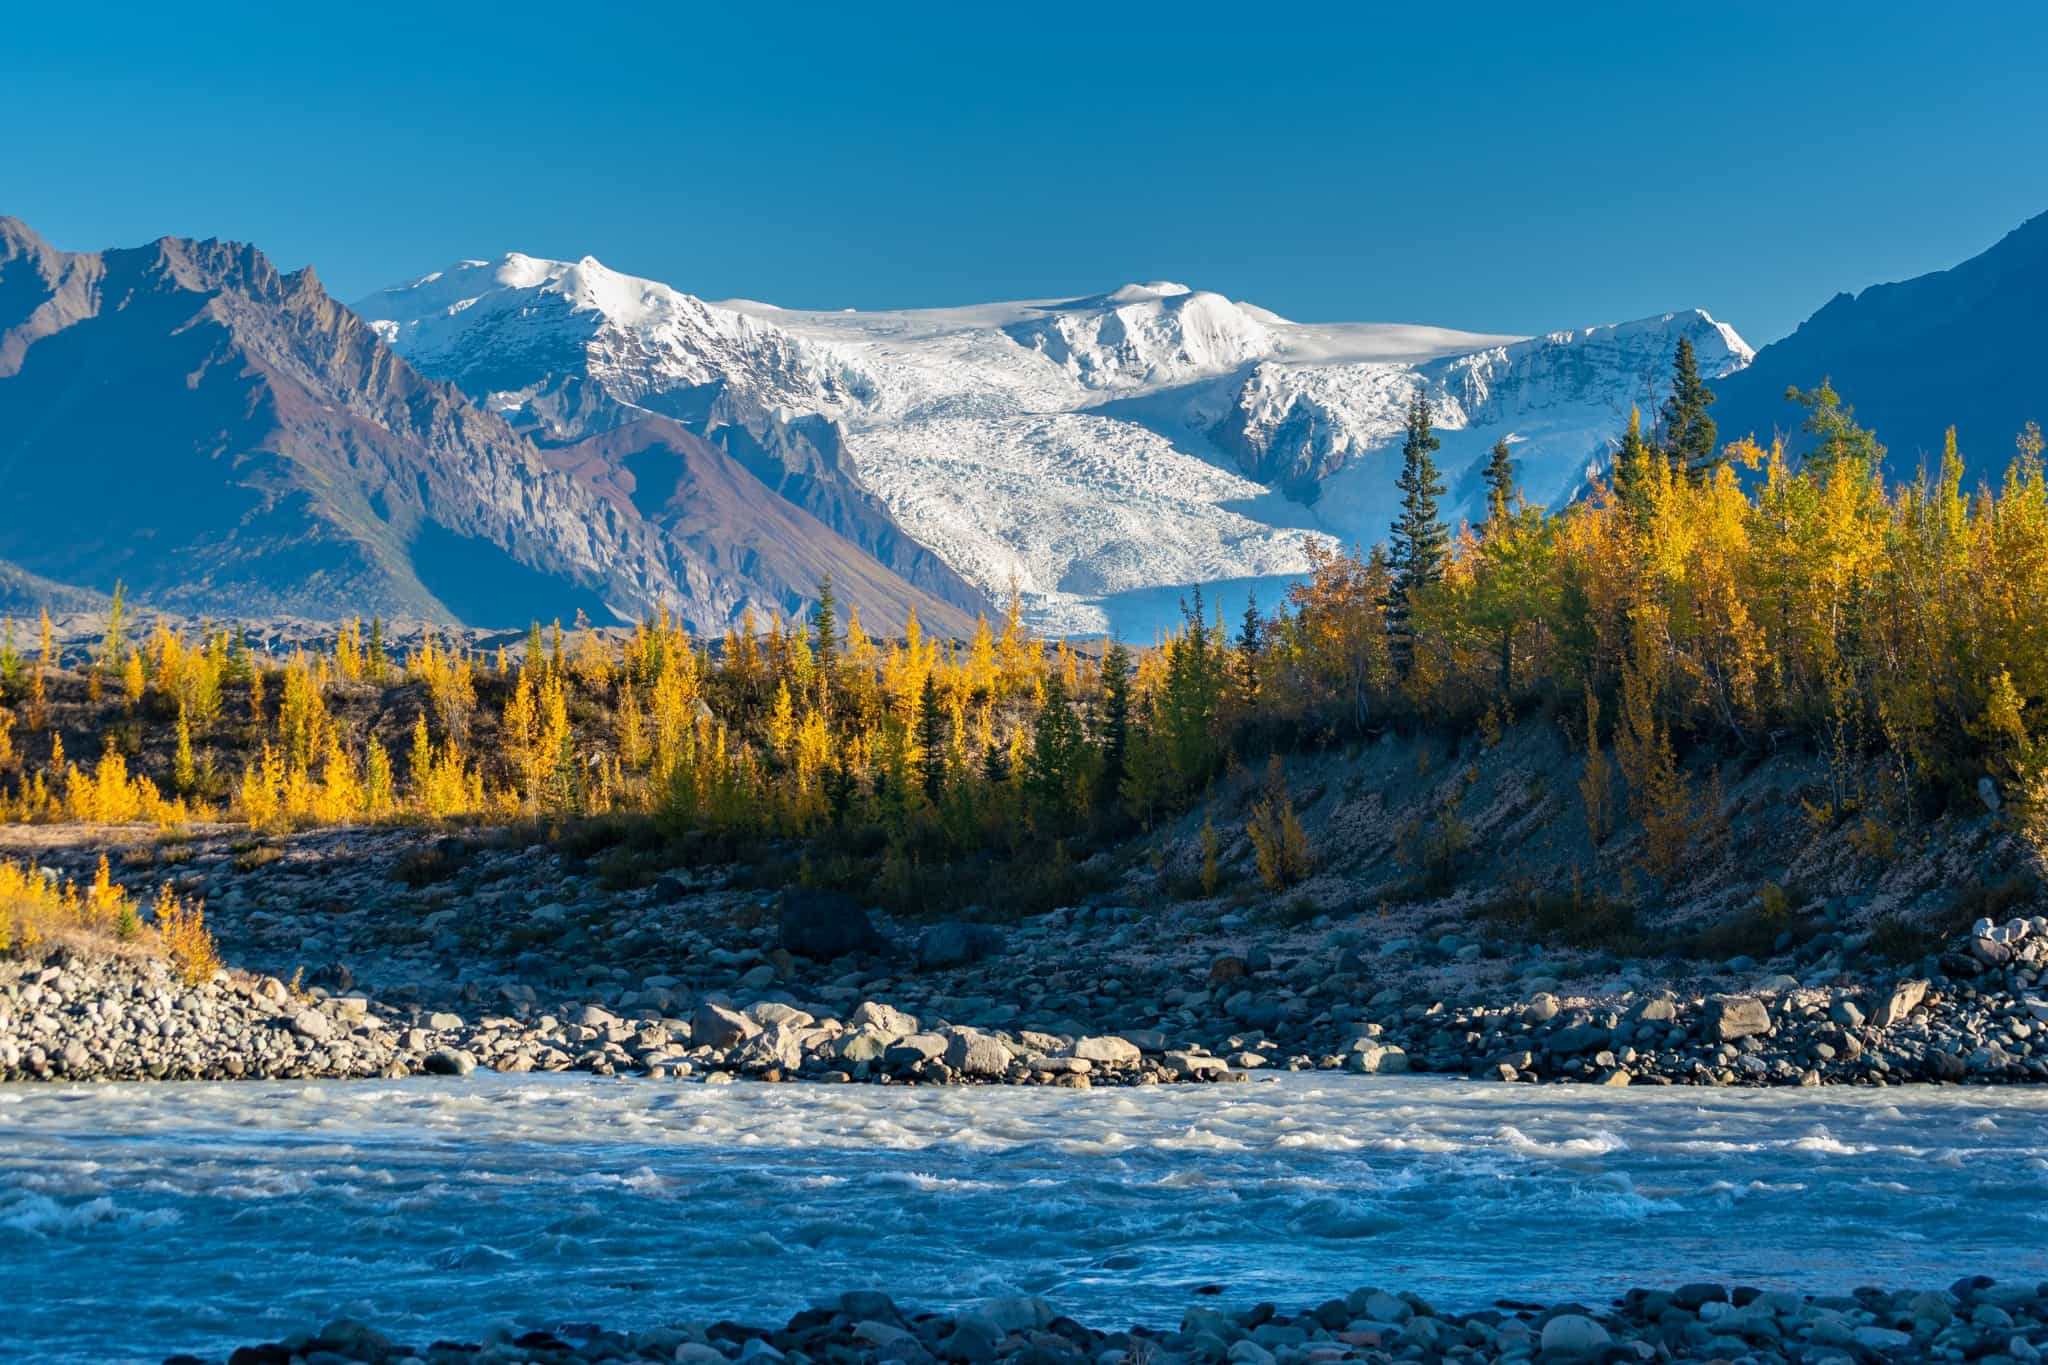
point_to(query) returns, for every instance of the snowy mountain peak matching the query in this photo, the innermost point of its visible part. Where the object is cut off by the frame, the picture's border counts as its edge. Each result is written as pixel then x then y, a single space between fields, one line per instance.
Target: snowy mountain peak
pixel 1145 334
pixel 1095 451
pixel 1143 293
pixel 520 328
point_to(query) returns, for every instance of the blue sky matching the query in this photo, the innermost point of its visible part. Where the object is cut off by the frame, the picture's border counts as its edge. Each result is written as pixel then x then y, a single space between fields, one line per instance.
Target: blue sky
pixel 1508 168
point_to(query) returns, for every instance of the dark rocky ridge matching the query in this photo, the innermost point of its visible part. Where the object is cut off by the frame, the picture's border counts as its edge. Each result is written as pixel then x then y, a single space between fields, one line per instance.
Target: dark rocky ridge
pixel 1965 347
pixel 226 438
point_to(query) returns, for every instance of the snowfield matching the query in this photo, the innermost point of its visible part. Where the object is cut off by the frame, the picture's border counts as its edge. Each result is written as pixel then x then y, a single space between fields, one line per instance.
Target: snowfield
pixel 1098 453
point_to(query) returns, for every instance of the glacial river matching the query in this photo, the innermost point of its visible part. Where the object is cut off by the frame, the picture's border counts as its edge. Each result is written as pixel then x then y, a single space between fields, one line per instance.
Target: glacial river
pixel 136 1221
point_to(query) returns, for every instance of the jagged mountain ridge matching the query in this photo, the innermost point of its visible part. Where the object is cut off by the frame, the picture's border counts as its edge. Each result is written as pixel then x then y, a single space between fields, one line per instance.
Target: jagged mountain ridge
pixel 1099 452
pixel 568 350
pixel 1965 347
pixel 226 438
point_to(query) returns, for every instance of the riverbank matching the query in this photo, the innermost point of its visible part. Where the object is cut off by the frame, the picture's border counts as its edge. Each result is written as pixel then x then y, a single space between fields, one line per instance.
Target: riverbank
pixel 83 1016
pixel 398 951
pixel 1976 1318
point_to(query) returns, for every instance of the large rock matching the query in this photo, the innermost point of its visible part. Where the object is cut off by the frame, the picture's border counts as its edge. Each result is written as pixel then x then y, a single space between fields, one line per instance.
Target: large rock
pixel 1574 1334
pixel 1893 1006
pixel 977 1054
pixel 448 1061
pixel 1110 1051
pixel 826 924
pixel 957 945
pixel 883 1019
pixel 1586 1037
pixel 1733 1017
pixel 864 1044
pixel 1375 1058
pixel 778 1046
pixel 714 1025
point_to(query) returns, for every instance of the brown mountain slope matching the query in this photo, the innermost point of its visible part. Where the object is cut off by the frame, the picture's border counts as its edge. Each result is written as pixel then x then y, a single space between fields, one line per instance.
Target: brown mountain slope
pixel 227 438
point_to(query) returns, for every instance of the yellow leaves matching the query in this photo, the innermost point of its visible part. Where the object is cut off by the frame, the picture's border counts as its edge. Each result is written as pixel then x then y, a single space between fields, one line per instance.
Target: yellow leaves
pixel 35 909
pixel 189 676
pixel 133 683
pixel 187 942
pixel 1279 845
pixel 451 683
pixel 535 738
pixel 108 795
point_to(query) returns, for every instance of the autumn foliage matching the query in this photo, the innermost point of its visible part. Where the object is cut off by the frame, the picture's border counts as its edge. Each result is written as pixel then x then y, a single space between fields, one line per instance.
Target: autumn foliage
pixel 1740 602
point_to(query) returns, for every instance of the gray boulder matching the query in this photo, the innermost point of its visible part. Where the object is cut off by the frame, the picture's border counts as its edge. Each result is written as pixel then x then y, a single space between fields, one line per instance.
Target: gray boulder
pixel 1733 1017
pixel 714 1025
pixel 977 1054
pixel 1893 1006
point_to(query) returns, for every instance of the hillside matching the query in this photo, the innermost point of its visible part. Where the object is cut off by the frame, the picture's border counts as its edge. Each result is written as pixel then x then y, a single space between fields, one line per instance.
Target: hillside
pixel 1964 347
pixel 225 438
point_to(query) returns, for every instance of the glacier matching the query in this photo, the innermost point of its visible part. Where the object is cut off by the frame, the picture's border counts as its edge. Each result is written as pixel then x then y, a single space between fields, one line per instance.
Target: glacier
pixel 1098 454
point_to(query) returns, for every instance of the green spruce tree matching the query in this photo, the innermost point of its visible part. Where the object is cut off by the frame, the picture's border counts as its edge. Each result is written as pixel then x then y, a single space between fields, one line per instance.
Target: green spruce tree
pixel 825 642
pixel 1056 745
pixel 931 739
pixel 1632 467
pixel 1502 496
pixel 1836 437
pixel 1251 643
pixel 1685 431
pixel 1115 724
pixel 1419 544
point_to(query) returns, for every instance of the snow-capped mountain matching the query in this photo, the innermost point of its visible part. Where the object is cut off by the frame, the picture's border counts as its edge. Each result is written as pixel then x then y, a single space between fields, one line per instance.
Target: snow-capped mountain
pixel 570 350
pixel 1098 453
pixel 525 335
pixel 227 439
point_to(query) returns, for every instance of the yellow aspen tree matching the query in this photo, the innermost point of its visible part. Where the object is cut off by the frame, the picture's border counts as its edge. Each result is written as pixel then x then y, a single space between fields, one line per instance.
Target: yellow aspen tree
pixel 184 769
pixel 133 683
pixel 782 723
pixel 420 760
pixel 631 728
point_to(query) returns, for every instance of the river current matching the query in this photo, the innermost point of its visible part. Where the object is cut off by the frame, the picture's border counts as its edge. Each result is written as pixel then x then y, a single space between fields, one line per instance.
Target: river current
pixel 140 1220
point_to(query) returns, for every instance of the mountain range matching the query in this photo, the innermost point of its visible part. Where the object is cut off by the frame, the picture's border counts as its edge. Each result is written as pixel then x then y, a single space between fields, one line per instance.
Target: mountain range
pixel 520 436
pixel 1096 454
pixel 226 438
pixel 1966 347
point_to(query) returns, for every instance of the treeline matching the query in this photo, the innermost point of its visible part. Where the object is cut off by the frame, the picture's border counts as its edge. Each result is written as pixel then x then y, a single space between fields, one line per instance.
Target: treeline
pixel 1700 595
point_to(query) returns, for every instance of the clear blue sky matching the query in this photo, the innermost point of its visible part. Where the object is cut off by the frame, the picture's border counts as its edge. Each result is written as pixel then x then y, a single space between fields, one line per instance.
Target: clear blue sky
pixel 1511 167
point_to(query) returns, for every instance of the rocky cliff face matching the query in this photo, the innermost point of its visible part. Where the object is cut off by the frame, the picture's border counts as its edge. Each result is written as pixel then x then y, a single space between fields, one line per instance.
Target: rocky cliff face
pixel 225 437
pixel 1965 347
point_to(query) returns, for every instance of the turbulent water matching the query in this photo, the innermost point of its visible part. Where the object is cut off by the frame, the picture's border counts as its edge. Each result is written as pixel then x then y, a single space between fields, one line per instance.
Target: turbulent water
pixel 140 1220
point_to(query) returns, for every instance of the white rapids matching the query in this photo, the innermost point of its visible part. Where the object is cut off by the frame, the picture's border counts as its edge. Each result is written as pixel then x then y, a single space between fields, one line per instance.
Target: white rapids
pixel 137 1221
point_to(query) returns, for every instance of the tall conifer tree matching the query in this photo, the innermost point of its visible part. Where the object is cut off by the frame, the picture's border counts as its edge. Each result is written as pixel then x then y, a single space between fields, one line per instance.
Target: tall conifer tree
pixel 1501 493
pixel 1685 431
pixel 1419 543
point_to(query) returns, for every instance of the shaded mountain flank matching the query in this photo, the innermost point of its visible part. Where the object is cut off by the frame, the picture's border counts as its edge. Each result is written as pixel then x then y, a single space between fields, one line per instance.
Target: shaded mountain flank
pixel 226 438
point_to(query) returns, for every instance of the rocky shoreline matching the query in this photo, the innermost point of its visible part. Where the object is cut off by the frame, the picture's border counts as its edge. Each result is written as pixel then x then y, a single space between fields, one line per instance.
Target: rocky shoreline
pixel 385 953
pixel 1976 1319
pixel 108 1017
